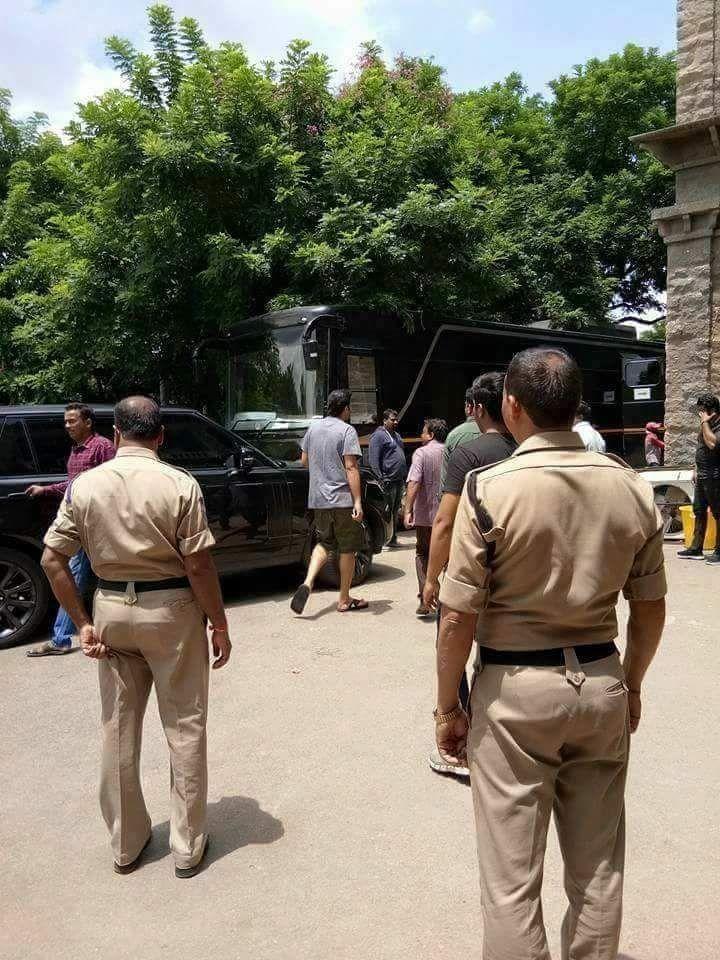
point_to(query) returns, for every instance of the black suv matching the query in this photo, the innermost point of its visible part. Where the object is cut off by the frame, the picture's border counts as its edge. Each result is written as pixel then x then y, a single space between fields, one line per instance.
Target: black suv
pixel 256 507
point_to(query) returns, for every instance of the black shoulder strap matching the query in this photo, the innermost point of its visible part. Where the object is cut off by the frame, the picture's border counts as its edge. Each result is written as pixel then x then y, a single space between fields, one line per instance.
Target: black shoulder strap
pixel 482 514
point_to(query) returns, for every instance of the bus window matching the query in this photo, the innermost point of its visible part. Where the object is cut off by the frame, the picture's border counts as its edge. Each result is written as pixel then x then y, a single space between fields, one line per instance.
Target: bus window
pixel 643 373
pixel 362 383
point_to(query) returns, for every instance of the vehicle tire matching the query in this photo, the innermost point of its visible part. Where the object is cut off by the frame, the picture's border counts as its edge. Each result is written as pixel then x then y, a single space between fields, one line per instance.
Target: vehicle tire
pixel 24 596
pixel 668 500
pixel 330 574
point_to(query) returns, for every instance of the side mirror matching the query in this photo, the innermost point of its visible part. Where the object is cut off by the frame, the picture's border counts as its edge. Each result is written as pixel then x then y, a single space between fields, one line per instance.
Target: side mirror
pixel 240 463
pixel 247 461
pixel 311 354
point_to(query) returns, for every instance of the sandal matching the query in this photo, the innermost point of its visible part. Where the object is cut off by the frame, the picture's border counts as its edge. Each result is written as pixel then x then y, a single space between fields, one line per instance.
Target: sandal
pixel 300 598
pixel 355 604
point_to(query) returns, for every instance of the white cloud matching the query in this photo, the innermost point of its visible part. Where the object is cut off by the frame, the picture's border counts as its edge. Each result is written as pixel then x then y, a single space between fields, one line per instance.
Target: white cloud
pixel 51 52
pixel 480 21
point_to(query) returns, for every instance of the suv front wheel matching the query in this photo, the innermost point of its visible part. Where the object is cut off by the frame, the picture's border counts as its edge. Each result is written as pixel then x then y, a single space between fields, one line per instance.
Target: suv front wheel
pixel 24 596
pixel 329 576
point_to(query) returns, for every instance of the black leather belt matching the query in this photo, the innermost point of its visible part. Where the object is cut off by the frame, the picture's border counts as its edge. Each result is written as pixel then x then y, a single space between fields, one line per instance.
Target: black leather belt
pixel 546 658
pixel 144 586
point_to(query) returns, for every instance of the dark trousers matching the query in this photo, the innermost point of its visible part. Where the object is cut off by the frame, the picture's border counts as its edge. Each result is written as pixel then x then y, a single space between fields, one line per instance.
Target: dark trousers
pixel 464 691
pixel 394 490
pixel 707 497
pixel 422 555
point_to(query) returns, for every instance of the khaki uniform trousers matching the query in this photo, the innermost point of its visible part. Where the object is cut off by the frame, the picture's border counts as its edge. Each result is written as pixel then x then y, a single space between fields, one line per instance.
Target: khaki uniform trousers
pixel 546 739
pixel 155 637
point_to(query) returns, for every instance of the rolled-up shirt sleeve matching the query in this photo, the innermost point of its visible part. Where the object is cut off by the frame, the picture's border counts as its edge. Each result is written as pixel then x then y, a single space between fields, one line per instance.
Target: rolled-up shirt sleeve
pixel 63 534
pixel 465 587
pixel 647 576
pixel 193 531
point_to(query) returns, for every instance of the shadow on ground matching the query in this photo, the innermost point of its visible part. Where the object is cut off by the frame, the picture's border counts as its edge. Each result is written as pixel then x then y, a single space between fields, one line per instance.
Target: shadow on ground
pixel 233 823
pixel 258 586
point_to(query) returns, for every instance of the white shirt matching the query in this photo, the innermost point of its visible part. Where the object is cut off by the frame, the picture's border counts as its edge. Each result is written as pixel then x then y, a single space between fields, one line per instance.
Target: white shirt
pixel 590 437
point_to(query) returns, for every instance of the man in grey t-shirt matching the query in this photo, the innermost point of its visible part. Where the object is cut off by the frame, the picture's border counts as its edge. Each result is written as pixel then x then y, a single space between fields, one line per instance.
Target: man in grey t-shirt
pixel 331 450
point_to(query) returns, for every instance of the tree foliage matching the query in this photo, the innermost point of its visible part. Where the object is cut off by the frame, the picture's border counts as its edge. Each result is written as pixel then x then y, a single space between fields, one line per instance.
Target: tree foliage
pixel 209 188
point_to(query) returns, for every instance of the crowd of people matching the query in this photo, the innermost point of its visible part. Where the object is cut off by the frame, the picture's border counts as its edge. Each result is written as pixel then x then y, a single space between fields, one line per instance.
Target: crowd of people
pixel 511 511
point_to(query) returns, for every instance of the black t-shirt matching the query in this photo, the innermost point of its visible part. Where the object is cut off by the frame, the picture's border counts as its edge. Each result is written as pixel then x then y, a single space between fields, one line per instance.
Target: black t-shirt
pixel 707 460
pixel 481 452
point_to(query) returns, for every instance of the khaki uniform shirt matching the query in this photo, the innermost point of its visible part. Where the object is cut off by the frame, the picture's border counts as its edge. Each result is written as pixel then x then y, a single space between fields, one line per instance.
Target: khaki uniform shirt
pixel 135 516
pixel 569 529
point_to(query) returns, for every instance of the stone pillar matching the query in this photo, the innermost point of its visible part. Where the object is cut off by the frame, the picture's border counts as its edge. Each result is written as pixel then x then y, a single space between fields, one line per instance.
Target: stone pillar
pixel 690 227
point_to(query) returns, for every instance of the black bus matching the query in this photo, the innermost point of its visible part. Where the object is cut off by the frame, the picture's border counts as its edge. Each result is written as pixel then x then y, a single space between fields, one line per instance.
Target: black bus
pixel 268 375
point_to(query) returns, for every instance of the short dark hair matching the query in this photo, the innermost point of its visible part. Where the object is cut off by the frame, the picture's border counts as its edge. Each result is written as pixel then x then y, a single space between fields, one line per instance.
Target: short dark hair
pixel 438 428
pixel 547 382
pixel 709 402
pixel 138 418
pixel 86 412
pixel 469 400
pixel 487 390
pixel 390 412
pixel 584 410
pixel 337 401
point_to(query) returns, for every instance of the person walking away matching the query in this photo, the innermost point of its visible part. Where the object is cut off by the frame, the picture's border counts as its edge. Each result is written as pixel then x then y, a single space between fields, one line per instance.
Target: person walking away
pixel 591 438
pixel 654 445
pixel 707 478
pixel 422 497
pixel 331 450
pixel 492 445
pixel 142 523
pixel 89 449
pixel 465 431
pixel 552 705
pixel 387 461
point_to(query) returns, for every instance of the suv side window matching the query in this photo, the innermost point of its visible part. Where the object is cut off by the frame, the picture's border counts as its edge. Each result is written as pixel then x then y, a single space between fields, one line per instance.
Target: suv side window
pixel 51 442
pixel 193 443
pixel 16 457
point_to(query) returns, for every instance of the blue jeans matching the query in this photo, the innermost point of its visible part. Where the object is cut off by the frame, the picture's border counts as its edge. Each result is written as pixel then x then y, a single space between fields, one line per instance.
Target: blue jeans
pixel 64 628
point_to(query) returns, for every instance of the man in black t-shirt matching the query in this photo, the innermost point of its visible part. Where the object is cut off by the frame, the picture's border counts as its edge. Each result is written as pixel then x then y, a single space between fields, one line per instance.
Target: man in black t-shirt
pixel 493 445
pixel 707 478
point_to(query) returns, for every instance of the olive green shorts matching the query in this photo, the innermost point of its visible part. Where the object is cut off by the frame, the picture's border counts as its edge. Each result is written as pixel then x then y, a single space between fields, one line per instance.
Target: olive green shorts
pixel 338 531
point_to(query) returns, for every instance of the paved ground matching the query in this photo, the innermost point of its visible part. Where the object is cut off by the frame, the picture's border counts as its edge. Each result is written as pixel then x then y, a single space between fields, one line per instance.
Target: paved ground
pixel 331 838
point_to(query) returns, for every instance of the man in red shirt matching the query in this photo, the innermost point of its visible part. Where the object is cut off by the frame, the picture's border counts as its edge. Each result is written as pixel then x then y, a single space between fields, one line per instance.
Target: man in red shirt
pixel 89 450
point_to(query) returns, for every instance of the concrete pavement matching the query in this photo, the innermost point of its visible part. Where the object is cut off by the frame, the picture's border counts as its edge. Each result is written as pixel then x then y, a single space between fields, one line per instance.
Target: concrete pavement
pixel 331 837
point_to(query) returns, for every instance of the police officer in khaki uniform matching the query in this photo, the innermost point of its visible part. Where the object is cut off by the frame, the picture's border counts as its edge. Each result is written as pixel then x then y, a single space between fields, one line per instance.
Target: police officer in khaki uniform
pixel 143 525
pixel 542 545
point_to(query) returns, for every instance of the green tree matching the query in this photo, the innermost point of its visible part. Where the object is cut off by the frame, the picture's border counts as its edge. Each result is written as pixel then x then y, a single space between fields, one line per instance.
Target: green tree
pixel 210 189
pixel 595 112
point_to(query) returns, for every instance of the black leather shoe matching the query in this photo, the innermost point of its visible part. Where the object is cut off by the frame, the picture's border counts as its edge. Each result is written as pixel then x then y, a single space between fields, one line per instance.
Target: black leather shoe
pixel 691 554
pixel 134 864
pixel 184 873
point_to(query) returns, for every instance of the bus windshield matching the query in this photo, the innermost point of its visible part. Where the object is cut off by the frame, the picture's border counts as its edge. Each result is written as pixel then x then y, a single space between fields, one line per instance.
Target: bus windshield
pixel 267 373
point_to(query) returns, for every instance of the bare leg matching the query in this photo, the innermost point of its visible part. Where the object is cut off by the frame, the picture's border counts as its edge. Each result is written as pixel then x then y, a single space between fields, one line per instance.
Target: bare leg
pixel 318 559
pixel 346 562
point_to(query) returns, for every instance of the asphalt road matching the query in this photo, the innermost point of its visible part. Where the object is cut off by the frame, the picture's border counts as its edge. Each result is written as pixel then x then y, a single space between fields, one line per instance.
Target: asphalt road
pixel 331 837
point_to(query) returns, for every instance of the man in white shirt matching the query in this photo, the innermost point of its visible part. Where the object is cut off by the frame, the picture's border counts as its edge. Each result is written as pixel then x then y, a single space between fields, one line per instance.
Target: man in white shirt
pixel 588 434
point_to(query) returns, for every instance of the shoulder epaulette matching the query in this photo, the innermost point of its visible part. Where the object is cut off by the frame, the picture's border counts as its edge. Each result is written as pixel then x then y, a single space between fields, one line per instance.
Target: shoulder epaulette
pixel 618 460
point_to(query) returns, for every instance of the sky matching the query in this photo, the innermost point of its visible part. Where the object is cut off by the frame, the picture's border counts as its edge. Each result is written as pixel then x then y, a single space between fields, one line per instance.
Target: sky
pixel 51 51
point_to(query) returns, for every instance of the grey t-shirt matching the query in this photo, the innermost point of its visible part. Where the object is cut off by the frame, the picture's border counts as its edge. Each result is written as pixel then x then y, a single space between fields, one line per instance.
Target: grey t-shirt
pixel 326 443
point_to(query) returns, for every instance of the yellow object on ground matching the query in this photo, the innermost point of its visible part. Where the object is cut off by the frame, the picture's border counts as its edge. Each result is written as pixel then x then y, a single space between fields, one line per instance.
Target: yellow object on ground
pixel 688 522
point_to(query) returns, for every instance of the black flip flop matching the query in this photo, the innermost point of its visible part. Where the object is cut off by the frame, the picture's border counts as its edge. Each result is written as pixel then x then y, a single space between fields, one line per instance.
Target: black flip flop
pixel 300 598
pixel 356 603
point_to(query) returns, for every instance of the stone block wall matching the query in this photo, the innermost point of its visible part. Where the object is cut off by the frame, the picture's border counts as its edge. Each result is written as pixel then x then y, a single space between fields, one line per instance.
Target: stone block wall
pixel 698 51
